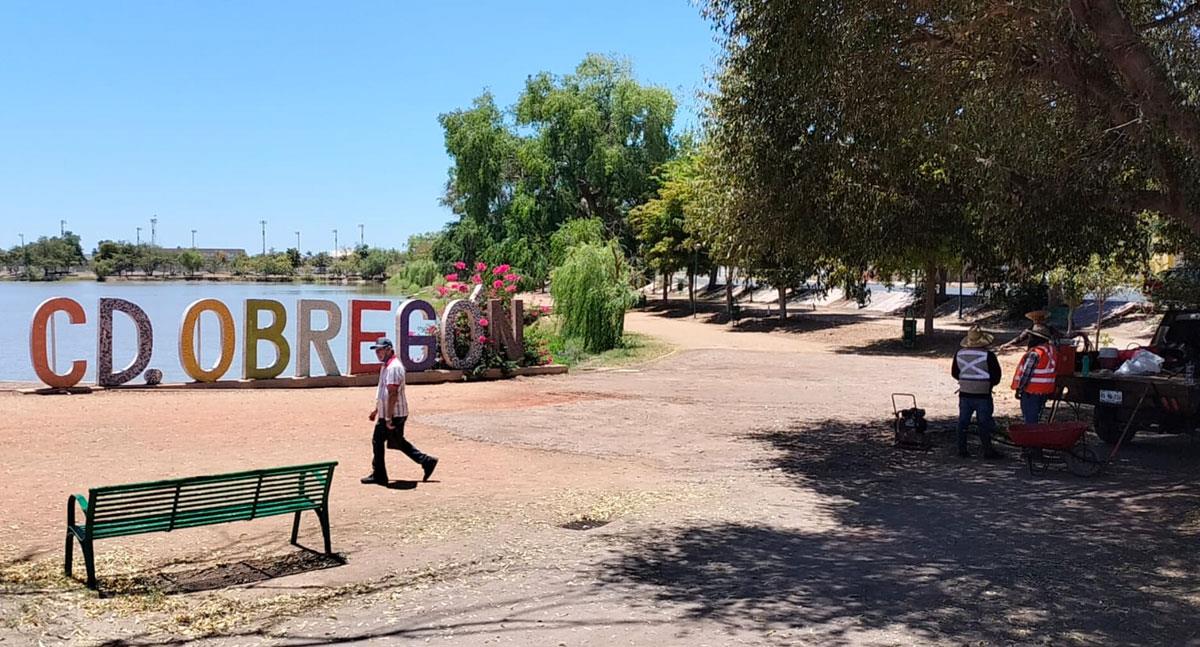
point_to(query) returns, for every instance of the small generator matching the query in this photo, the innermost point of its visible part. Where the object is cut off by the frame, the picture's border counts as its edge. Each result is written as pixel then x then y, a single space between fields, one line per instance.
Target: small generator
pixel 910 425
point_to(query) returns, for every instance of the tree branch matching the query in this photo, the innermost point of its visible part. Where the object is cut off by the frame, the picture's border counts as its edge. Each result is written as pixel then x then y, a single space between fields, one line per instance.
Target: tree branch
pixel 1170 18
pixel 1142 74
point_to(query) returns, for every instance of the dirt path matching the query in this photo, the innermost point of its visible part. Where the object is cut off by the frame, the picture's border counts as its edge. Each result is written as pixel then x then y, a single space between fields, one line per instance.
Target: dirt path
pixel 740 491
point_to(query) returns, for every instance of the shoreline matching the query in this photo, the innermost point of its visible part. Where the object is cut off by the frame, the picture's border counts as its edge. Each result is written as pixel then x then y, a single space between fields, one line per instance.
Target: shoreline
pixel 207 278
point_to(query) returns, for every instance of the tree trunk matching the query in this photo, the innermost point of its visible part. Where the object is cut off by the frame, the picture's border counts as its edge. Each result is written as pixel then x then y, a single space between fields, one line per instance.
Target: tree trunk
pixel 930 296
pixel 729 291
pixel 666 286
pixel 712 277
pixel 782 303
pixel 942 274
pixel 692 288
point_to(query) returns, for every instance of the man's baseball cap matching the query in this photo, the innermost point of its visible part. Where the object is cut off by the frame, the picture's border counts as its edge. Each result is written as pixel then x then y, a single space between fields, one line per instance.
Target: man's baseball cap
pixel 382 342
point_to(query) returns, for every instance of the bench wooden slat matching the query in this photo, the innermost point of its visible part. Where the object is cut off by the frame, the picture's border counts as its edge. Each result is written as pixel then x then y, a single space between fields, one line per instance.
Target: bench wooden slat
pixel 168 489
pixel 166 505
pixel 214 478
pixel 168 514
pixel 187 500
pixel 207 516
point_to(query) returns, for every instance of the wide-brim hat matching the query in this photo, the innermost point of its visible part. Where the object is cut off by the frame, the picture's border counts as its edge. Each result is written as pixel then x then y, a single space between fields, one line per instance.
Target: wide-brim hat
pixel 977 338
pixel 1038 316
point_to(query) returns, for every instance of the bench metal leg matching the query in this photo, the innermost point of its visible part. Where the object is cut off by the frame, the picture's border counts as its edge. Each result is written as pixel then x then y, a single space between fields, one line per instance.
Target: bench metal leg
pixel 69 553
pixel 323 515
pixel 89 558
pixel 296 527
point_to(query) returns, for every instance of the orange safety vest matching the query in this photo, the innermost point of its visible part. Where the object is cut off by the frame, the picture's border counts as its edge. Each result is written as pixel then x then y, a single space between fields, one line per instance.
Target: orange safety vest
pixel 1042 380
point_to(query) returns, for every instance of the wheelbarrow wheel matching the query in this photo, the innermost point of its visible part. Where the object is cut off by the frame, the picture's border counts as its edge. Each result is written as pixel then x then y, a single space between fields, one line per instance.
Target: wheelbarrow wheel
pixel 1083 461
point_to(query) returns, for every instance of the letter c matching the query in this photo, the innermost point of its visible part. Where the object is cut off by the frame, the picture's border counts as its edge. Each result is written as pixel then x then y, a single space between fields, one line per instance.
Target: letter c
pixel 37 342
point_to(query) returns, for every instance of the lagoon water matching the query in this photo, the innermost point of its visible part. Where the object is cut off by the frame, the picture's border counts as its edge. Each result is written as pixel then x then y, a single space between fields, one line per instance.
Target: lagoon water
pixel 165 303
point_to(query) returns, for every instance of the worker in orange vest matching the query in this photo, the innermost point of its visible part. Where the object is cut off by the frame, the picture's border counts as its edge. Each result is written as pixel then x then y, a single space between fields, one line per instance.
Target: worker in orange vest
pixel 1034 378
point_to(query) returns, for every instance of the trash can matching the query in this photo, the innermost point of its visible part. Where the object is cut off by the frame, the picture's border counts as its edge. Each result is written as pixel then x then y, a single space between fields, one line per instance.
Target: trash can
pixel 909 336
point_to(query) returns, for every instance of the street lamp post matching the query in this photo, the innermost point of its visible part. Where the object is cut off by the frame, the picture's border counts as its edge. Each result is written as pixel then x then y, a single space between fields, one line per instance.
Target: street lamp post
pixel 264 235
pixel 62 228
pixel 193 239
pixel 139 235
pixel 335 247
pixel 154 230
pixel 360 236
pixel 24 255
pixel 297 242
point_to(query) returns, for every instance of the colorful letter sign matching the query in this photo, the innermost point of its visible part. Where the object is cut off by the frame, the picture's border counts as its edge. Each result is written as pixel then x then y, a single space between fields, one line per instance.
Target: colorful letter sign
pixel 187 341
pixel 416 327
pixel 307 338
pixel 272 334
pixel 104 342
pixel 417 337
pixel 358 336
pixel 38 340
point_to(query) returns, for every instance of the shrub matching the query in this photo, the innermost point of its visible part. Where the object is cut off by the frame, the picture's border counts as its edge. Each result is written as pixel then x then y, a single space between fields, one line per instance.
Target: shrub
pixel 591 293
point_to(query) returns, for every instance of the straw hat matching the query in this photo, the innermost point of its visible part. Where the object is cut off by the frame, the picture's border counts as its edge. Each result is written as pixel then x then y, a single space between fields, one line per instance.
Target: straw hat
pixel 976 338
pixel 1038 316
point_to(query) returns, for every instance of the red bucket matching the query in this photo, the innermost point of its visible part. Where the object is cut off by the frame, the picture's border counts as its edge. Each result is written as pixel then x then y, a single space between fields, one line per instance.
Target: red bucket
pixel 1064 358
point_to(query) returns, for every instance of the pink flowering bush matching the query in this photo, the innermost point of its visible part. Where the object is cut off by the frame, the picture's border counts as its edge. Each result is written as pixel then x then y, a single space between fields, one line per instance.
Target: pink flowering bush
pixel 503 284
pixel 499 282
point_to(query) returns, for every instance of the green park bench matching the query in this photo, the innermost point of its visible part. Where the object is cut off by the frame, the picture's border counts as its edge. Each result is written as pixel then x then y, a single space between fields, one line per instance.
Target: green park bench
pixel 163 506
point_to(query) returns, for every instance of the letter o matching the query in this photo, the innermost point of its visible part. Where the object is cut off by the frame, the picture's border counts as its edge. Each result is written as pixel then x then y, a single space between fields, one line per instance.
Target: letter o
pixel 187 341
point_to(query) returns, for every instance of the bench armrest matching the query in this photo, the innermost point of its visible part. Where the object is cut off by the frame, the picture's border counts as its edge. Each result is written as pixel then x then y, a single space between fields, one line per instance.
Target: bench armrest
pixel 71 501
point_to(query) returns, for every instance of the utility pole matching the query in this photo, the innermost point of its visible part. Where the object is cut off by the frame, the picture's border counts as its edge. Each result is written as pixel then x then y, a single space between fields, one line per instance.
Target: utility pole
pixel 335 249
pixel 264 234
pixel 139 235
pixel 153 230
pixel 62 228
pixel 297 241
pixel 25 257
pixel 360 235
pixel 193 239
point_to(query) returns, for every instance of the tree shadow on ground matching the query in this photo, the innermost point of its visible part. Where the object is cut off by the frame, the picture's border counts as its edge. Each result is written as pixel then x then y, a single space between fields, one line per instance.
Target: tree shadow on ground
pixel 942 343
pixel 220 568
pixel 759 320
pixel 945 549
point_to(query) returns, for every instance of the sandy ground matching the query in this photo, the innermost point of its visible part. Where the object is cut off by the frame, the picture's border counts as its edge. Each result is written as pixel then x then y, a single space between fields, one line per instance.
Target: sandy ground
pixel 742 490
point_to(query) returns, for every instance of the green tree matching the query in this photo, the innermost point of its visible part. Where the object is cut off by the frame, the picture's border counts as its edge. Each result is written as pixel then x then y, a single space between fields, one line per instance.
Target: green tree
pixel 321 261
pixel 191 261
pixel 375 264
pixel 582 145
pixel 661 224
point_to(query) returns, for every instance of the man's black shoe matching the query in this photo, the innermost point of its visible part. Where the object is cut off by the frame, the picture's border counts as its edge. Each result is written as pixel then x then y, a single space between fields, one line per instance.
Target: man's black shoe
pixel 429 466
pixel 371 480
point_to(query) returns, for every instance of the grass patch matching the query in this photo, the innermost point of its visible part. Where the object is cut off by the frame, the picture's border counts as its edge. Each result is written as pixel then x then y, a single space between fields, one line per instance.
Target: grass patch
pixel 635 349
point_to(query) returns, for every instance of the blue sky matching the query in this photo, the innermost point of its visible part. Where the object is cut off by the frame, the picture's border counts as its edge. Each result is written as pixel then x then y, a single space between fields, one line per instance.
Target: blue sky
pixel 310 115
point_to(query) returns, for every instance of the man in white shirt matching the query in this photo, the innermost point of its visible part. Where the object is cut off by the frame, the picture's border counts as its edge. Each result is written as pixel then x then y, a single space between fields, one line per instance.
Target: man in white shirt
pixel 389 414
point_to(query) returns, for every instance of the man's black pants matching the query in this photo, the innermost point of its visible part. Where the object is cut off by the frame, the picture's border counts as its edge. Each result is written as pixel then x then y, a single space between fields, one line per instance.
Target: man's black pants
pixel 379 442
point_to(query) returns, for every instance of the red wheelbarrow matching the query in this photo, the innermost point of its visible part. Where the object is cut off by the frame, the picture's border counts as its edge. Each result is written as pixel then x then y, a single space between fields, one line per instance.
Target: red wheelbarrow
pixel 1056 442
